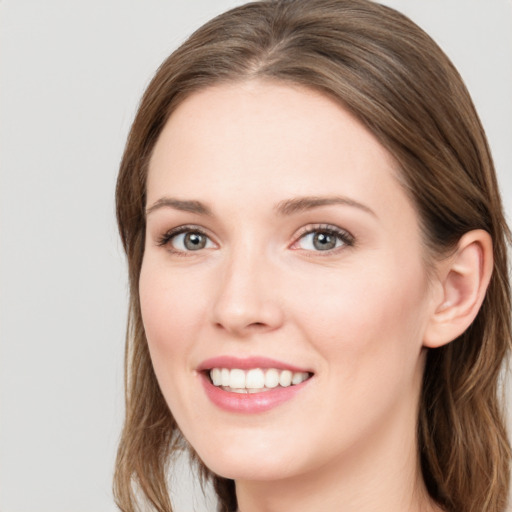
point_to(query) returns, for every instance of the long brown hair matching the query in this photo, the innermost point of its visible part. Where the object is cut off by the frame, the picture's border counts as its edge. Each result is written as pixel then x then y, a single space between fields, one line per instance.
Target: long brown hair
pixel 395 79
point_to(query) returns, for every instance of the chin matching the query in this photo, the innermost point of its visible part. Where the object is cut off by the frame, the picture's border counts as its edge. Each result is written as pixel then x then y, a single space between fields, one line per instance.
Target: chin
pixel 249 462
pixel 250 470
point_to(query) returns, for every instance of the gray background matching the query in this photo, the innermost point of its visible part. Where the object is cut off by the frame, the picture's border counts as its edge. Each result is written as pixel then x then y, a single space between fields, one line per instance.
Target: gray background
pixel 71 76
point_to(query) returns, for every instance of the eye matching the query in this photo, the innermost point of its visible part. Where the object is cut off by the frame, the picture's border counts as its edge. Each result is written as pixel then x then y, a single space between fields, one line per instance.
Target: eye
pixel 186 239
pixel 323 239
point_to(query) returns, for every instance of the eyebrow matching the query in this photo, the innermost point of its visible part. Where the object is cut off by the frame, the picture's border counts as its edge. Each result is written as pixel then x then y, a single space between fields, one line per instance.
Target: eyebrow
pixel 179 204
pixel 286 207
pixel 301 204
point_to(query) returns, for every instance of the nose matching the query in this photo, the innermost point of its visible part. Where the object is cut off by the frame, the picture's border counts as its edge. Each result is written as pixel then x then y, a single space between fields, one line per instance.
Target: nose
pixel 247 299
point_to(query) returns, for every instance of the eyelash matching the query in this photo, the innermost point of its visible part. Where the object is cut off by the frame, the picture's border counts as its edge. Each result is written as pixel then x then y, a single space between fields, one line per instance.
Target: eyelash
pixel 167 237
pixel 347 240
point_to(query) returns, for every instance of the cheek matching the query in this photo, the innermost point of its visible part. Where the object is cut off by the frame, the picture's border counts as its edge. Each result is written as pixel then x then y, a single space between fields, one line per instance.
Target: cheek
pixel 171 314
pixel 368 320
pixel 171 303
pixel 367 328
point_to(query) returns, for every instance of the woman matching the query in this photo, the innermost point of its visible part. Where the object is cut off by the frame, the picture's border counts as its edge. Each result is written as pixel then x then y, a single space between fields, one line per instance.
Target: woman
pixel 320 306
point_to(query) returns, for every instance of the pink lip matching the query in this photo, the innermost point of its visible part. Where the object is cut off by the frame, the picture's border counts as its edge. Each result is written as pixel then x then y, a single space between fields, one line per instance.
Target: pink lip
pixel 246 364
pixel 248 403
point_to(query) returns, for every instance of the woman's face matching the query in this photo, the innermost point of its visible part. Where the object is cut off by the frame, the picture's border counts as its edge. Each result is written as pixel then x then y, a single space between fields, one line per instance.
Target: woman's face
pixel 280 247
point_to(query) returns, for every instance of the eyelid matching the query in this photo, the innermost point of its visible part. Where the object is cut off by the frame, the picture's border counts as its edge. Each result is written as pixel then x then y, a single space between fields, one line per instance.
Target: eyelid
pixel 166 237
pixel 345 236
pixel 348 240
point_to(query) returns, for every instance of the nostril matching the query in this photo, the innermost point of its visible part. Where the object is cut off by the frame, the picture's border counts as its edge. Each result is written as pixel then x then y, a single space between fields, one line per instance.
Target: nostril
pixel 253 325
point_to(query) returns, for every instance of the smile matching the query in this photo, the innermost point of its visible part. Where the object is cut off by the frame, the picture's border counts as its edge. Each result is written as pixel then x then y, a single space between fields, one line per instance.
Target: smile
pixel 255 380
pixel 252 385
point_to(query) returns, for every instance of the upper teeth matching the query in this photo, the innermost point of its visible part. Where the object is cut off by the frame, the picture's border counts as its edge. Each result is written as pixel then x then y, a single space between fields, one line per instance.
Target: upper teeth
pixel 256 378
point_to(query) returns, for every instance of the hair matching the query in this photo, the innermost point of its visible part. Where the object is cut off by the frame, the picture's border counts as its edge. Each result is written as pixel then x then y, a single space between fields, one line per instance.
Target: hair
pixel 395 79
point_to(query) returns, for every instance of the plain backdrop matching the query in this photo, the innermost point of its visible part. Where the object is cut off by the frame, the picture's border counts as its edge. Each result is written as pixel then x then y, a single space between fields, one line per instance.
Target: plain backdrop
pixel 71 76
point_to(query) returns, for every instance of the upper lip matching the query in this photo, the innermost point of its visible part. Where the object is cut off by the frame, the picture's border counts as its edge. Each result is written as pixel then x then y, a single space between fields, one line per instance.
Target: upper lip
pixel 247 363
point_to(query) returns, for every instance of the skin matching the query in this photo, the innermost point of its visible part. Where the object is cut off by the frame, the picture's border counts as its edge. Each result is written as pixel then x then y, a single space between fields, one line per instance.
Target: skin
pixel 355 316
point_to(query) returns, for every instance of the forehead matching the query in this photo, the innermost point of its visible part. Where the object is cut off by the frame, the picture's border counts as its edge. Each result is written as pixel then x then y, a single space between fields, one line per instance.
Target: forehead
pixel 272 111
pixel 249 138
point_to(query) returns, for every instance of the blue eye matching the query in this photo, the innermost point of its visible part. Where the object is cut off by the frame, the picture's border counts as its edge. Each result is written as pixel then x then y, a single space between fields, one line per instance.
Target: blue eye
pixel 324 239
pixel 185 239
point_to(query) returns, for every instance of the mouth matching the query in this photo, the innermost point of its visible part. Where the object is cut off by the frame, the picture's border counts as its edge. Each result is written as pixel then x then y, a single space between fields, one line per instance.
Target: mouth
pixel 251 385
pixel 255 380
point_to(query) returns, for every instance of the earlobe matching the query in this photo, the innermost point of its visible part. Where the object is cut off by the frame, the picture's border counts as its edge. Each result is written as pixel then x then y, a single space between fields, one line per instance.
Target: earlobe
pixel 463 279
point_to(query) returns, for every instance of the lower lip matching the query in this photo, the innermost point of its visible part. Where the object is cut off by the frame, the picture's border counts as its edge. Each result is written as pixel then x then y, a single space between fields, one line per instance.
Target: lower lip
pixel 250 403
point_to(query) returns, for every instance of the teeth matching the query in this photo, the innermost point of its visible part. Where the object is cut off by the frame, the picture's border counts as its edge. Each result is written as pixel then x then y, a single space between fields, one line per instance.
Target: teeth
pixel 297 378
pixel 224 377
pixel 272 378
pixel 216 376
pixel 285 379
pixel 256 379
pixel 237 379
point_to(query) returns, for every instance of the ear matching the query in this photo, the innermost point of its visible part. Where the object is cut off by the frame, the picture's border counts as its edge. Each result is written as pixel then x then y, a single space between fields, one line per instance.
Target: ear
pixel 462 280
